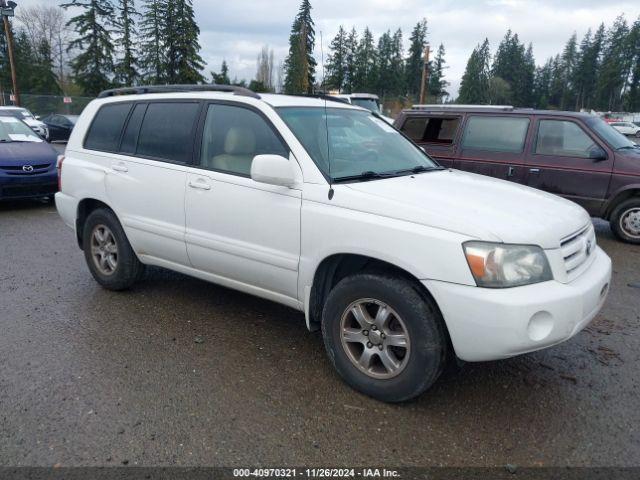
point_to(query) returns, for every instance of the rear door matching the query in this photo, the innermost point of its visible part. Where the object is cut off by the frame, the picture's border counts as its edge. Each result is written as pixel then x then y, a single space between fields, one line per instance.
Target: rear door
pixel 147 176
pixel 567 159
pixel 436 133
pixel 494 145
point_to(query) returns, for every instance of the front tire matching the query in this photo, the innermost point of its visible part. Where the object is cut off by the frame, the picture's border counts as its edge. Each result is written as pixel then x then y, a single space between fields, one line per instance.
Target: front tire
pixel 625 221
pixel 108 253
pixel 384 337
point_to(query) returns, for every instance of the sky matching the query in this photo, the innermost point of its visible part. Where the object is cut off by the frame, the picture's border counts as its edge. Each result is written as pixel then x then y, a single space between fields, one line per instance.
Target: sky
pixel 236 30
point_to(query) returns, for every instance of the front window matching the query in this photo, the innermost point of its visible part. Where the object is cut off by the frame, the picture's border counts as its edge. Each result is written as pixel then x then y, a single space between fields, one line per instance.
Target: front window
pixel 370 104
pixel 563 138
pixel 614 138
pixel 13 130
pixel 347 144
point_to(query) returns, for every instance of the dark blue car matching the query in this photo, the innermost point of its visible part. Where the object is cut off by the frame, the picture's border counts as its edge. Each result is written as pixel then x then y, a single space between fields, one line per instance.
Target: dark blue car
pixel 27 162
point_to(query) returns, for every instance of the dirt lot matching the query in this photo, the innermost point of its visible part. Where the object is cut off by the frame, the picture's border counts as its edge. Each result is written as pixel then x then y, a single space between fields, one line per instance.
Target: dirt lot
pixel 181 372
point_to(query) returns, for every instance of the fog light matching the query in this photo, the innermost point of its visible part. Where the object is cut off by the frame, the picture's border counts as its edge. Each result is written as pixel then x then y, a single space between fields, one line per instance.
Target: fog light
pixel 540 326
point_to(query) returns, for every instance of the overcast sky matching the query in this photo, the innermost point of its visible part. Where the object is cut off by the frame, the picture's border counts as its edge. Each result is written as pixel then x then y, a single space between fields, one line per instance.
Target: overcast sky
pixel 236 30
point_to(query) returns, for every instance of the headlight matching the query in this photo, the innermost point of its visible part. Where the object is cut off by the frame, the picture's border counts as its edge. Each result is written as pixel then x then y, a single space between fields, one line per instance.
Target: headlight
pixel 498 265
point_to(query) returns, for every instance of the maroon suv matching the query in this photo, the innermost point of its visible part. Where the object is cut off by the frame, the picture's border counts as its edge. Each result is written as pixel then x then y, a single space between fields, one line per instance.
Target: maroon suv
pixel 575 155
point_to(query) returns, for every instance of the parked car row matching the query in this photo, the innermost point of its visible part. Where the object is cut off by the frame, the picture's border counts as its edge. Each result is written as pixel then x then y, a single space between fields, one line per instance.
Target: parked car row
pixel 54 127
pixel 627 128
pixel 323 206
pixel 574 155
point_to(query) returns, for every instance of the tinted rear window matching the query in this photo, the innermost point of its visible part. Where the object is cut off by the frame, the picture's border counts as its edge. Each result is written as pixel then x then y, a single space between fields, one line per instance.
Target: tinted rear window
pixel 496 134
pixel 167 131
pixel 130 137
pixel 105 131
pixel 431 129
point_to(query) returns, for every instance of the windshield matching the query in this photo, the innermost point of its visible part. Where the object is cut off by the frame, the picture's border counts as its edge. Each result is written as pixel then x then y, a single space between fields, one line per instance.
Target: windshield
pixel 368 103
pixel 356 142
pixel 13 130
pixel 613 137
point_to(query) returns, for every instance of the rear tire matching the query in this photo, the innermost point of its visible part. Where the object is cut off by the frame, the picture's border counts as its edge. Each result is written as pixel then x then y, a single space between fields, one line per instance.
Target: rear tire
pixel 625 221
pixel 108 253
pixel 367 352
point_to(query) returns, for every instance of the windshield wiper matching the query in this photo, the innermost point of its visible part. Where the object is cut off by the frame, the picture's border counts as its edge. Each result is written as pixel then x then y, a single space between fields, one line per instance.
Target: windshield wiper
pixel 368 175
pixel 418 169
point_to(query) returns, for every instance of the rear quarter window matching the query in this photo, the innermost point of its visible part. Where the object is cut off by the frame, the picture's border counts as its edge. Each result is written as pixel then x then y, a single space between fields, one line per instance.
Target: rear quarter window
pixel 496 134
pixel 431 129
pixel 106 128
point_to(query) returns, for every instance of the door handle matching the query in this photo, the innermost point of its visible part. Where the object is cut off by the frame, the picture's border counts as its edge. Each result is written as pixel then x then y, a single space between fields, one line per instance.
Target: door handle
pixel 511 172
pixel 120 167
pixel 534 170
pixel 201 185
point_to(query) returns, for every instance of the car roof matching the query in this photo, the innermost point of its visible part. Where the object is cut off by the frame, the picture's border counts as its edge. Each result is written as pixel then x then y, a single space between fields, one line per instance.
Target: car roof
pixel 495 109
pixel 272 99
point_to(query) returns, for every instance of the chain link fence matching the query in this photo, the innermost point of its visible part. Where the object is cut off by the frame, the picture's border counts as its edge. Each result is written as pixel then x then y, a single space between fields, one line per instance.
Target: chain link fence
pixel 42 105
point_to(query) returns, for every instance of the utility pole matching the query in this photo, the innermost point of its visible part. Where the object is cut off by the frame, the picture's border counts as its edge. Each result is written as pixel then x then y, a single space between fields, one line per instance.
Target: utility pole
pixel 7 11
pixel 425 75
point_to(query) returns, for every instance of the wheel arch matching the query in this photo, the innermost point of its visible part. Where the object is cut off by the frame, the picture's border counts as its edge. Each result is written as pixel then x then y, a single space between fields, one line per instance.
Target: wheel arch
pixel 85 207
pixel 337 266
pixel 628 192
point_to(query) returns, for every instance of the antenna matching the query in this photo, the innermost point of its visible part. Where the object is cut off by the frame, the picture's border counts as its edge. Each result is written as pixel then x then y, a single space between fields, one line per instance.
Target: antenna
pixel 326 116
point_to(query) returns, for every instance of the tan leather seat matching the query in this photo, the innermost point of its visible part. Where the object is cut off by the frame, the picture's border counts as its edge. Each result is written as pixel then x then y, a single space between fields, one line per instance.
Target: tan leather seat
pixel 239 150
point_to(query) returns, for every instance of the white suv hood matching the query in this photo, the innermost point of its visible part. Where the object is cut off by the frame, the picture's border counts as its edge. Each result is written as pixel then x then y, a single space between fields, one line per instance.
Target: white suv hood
pixel 473 205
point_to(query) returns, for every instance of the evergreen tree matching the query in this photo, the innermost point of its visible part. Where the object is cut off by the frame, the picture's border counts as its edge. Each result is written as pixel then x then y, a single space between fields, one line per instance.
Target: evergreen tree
pixel 152 54
pixel 221 78
pixel 93 67
pixel 336 68
pixel 614 68
pixel 474 88
pixel 632 100
pixel 415 61
pixel 556 85
pixel 511 65
pixel 397 68
pixel 542 85
pixel 365 64
pixel 180 33
pixel 586 72
pixel 126 67
pixel 390 65
pixel 45 81
pixel 300 66
pixel 569 61
pixel 350 68
pixel 437 83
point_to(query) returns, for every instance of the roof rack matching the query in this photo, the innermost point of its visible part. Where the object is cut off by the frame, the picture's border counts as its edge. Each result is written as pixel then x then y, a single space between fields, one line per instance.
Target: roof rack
pixel 440 106
pixel 141 90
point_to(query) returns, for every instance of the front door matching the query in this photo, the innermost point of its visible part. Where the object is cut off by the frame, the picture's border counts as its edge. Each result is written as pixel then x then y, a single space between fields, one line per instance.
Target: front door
pixel 567 160
pixel 244 232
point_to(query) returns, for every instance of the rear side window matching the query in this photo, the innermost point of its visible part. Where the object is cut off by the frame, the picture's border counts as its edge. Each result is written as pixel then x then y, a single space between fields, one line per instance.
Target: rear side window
pixel 496 134
pixel 431 129
pixel 563 138
pixel 130 137
pixel 105 131
pixel 167 131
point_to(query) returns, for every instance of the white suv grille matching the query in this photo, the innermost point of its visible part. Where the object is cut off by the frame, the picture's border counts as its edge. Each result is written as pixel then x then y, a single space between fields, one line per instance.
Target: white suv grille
pixel 577 249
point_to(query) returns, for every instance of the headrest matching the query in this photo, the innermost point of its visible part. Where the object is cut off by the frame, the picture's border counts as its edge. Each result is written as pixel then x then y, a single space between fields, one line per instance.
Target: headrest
pixel 240 141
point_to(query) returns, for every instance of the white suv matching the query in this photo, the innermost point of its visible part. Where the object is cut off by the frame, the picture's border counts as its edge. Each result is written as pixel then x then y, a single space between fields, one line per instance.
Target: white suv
pixel 323 207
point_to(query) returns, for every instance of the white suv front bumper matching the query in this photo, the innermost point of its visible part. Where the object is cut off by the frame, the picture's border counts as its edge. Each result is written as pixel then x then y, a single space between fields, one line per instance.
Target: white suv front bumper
pixel 490 324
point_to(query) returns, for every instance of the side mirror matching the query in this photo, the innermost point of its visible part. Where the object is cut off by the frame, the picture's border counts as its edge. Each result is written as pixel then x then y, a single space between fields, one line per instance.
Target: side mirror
pixel 597 154
pixel 273 170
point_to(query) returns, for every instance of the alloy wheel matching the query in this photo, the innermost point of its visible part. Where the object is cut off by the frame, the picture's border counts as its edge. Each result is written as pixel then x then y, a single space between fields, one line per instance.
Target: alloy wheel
pixel 104 250
pixel 375 338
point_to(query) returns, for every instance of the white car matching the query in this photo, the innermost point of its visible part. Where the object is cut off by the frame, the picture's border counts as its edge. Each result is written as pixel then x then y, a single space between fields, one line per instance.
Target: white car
pixel 627 128
pixel 368 101
pixel 325 208
pixel 29 118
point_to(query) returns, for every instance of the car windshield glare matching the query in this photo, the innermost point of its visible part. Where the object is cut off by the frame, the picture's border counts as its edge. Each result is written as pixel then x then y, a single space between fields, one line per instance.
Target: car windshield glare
pixel 368 103
pixel 13 130
pixel 613 137
pixel 348 143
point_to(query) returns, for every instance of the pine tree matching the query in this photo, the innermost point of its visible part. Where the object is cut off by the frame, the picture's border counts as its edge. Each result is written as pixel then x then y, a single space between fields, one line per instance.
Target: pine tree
pixel 300 66
pixel 614 68
pixel 152 54
pixel 511 65
pixel 542 85
pixel 221 78
pixel 350 68
pixel 569 63
pixel 556 85
pixel 632 100
pixel 474 88
pixel 397 68
pixel 365 64
pixel 437 83
pixel 126 67
pixel 180 32
pixel 336 67
pixel 415 61
pixel 93 67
